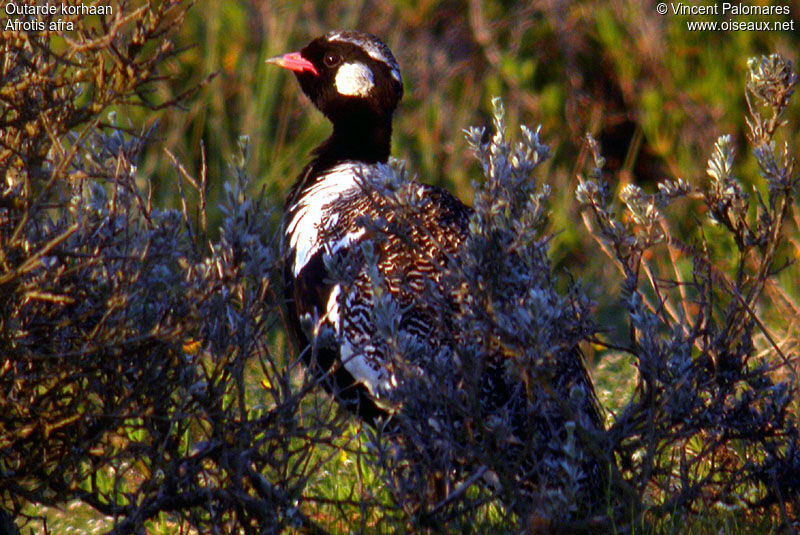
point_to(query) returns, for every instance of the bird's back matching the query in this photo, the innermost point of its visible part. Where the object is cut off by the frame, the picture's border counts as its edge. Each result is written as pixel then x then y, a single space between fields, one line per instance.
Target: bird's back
pixel 348 245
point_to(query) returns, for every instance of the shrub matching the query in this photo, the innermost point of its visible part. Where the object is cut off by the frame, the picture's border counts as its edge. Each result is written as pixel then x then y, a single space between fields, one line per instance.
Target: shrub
pixel 712 422
pixel 125 333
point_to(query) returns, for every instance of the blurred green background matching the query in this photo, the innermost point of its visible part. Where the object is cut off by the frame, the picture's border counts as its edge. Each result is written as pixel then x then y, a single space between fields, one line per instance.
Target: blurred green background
pixel 654 93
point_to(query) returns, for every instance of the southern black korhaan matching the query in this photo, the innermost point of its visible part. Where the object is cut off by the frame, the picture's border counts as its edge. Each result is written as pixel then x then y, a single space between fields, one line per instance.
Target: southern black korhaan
pixel 353 79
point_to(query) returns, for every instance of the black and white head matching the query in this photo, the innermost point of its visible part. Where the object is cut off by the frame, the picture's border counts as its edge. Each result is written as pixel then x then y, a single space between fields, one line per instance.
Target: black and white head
pixel 350 76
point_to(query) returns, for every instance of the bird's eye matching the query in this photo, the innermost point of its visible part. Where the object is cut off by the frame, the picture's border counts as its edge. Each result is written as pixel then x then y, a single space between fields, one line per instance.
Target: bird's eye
pixel 332 60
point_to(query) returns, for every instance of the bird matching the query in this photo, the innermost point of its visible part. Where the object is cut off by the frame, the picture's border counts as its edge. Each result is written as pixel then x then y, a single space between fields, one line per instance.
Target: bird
pixel 334 212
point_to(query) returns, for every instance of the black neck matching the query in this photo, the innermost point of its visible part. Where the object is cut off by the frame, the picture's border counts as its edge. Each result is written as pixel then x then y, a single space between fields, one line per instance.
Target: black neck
pixel 367 140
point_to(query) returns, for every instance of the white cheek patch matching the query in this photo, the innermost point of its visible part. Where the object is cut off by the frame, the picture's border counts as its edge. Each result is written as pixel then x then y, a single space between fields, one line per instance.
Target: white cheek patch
pixel 374 49
pixel 354 80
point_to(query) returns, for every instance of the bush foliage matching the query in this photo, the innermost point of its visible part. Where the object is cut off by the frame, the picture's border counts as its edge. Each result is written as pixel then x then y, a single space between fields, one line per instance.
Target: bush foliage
pixel 146 373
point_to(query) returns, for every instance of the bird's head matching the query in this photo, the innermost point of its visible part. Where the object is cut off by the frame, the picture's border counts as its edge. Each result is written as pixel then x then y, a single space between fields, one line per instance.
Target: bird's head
pixel 350 76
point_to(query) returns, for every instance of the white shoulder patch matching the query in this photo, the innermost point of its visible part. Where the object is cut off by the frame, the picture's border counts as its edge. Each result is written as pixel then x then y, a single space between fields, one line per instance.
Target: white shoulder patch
pixel 311 215
pixel 354 80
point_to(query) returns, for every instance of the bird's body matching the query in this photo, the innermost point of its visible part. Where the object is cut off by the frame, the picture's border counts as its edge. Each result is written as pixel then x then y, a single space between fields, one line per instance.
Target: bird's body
pixel 337 206
pixel 329 219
